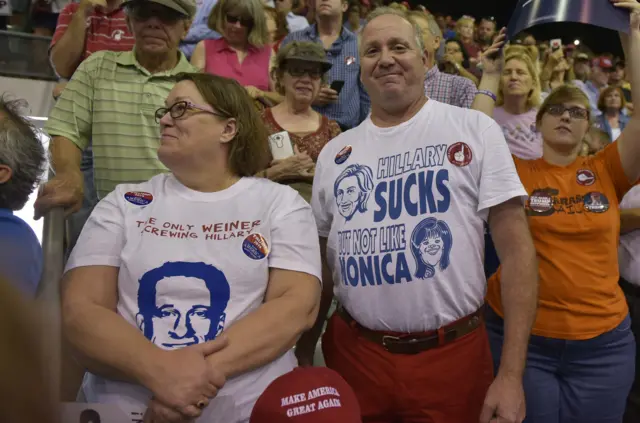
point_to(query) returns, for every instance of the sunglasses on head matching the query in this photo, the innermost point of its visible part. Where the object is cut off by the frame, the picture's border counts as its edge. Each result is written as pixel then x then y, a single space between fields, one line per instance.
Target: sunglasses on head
pixel 575 112
pixel 144 11
pixel 246 22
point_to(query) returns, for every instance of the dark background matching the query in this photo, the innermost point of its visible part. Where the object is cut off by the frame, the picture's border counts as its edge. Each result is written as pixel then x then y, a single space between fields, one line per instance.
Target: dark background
pixel 598 40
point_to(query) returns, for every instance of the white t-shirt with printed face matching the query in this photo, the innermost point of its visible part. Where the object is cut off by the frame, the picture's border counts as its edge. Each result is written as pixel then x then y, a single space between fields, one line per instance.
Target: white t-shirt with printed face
pixel 404 209
pixel 191 264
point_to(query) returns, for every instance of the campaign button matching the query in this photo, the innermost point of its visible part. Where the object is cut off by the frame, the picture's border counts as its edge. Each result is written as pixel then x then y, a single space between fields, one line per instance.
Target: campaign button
pixel 585 177
pixel 540 202
pixel 459 154
pixel 343 154
pixel 596 202
pixel 138 198
pixel 255 246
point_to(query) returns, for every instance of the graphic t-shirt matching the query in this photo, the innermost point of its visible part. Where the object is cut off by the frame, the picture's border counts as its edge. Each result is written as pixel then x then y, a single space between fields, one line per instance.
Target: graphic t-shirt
pixel 574 218
pixel 404 209
pixel 520 132
pixel 191 264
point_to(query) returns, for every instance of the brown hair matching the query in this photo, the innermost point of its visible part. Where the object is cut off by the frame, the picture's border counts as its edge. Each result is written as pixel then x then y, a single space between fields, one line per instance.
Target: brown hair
pixel 248 151
pixel 296 48
pixel 25 395
pixel 534 96
pixel 604 93
pixel 563 94
pixel 248 9
pixel 280 20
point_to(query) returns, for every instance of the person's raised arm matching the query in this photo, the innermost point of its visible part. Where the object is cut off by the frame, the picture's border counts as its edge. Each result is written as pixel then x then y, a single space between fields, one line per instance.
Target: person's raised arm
pixel 492 61
pixel 629 141
pixel 67 49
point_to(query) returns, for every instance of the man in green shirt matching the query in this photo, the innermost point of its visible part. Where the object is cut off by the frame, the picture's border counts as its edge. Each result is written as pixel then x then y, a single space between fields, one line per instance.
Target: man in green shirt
pixel 111 100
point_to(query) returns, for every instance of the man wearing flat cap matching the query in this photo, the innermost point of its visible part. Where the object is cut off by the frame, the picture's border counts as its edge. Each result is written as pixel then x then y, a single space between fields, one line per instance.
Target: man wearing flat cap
pixel 111 100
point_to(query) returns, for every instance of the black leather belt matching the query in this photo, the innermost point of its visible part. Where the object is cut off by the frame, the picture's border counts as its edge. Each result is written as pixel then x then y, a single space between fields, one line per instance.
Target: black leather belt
pixel 414 343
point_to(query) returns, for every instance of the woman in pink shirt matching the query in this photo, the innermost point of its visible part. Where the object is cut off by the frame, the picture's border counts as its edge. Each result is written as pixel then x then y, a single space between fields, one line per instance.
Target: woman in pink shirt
pixel 243 52
pixel 517 105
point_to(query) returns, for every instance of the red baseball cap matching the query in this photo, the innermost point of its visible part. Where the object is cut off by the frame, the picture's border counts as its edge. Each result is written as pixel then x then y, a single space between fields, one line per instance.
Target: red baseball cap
pixel 602 62
pixel 307 395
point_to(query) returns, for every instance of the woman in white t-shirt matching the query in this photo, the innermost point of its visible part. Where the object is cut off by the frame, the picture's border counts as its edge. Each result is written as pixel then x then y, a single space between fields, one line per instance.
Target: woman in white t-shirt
pixel 197 276
pixel 517 106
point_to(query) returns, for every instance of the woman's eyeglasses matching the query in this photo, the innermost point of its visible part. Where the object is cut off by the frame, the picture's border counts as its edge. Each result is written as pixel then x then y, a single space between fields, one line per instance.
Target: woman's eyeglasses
pixel 178 109
pixel 574 112
pixel 314 73
pixel 245 22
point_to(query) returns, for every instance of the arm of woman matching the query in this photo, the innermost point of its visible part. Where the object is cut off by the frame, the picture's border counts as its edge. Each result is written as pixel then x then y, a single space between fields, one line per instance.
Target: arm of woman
pixel 629 141
pixel 198 56
pixel 292 298
pixel 629 220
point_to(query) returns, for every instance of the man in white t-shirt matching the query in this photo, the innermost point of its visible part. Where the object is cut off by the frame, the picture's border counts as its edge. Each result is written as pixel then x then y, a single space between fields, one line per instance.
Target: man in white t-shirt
pixel 400 203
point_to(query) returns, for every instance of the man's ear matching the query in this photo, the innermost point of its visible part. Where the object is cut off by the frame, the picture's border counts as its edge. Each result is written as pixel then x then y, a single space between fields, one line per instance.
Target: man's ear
pixel 229 132
pixel 187 25
pixel 5 174
pixel 345 6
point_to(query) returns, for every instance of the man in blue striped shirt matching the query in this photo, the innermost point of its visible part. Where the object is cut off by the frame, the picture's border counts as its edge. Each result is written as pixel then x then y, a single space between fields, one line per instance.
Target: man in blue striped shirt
pixel 351 105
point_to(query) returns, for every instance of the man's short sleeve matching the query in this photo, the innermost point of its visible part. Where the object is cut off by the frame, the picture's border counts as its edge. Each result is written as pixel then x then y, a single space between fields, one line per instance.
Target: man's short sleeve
pixel 499 180
pixel 102 238
pixel 318 202
pixel 72 116
pixel 293 245
pixel 466 93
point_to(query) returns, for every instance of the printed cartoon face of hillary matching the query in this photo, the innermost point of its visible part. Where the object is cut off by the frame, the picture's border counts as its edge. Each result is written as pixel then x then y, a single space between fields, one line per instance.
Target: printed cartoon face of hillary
pixel 352 189
pixel 431 242
pixel 182 304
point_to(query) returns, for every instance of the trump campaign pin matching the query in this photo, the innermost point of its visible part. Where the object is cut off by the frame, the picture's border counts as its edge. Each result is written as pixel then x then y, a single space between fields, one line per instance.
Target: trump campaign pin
pixel 343 154
pixel 138 198
pixel 459 154
pixel 585 177
pixel 255 246
pixel 540 202
pixel 596 202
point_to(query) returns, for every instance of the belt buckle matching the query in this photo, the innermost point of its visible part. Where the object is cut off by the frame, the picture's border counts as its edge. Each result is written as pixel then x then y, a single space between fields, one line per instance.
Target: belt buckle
pixel 386 338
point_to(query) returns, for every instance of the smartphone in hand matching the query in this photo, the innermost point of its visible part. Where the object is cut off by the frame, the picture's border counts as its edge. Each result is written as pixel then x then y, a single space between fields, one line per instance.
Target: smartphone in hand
pixel 280 145
pixel 337 86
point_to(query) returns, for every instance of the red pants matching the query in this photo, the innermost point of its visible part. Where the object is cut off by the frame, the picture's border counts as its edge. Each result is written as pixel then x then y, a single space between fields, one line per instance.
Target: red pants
pixel 447 384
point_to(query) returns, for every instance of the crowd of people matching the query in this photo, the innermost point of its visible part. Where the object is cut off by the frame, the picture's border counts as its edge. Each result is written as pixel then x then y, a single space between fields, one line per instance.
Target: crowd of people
pixel 456 214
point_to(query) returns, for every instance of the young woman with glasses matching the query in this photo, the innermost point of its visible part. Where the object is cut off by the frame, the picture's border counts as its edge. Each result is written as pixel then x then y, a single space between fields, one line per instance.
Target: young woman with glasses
pixel 581 355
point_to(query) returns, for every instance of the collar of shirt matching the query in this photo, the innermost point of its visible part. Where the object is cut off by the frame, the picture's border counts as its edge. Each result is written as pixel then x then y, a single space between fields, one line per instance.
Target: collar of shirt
pixel 222 45
pixel 345 35
pixel 127 58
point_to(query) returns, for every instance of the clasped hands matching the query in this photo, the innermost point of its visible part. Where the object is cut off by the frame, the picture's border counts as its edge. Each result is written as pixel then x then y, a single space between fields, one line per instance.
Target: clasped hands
pixel 183 382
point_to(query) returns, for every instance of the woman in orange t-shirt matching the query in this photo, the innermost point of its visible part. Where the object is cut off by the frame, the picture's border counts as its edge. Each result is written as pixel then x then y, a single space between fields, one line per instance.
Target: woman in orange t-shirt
pixel 581 357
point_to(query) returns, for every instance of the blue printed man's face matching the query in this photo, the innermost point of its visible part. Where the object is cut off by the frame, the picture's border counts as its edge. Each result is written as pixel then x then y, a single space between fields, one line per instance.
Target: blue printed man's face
pixel 185 322
pixel 348 195
pixel 431 249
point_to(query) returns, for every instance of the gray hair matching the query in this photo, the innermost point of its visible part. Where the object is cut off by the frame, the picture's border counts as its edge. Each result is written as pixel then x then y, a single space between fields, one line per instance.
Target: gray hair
pixel 20 150
pixel 381 11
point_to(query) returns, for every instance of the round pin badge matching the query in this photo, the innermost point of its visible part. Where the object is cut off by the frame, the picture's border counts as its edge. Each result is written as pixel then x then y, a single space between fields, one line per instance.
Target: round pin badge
pixel 540 202
pixel 585 177
pixel 138 198
pixel 343 154
pixel 459 154
pixel 255 246
pixel 596 202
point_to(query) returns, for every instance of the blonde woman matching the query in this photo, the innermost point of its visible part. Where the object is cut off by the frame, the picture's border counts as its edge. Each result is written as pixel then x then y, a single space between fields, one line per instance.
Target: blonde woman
pixel 517 105
pixel 465 28
pixel 243 52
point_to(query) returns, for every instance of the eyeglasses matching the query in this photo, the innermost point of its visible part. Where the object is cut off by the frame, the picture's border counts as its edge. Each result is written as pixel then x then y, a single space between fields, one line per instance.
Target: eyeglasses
pixel 178 109
pixel 296 72
pixel 246 22
pixel 142 12
pixel 574 112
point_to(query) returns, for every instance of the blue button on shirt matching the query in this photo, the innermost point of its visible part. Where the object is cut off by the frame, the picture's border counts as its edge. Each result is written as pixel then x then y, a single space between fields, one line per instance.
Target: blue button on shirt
pixel 20 253
pixel 353 102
